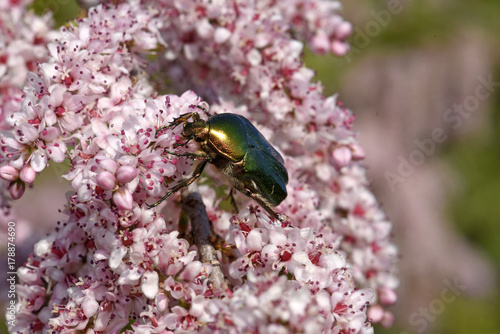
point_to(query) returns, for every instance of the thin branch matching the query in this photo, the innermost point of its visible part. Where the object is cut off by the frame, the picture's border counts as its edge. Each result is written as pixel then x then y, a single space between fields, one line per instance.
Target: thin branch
pixel 192 204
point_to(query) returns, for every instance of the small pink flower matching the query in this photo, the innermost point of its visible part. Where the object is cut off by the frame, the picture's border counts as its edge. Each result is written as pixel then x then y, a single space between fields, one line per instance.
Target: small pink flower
pixel 180 318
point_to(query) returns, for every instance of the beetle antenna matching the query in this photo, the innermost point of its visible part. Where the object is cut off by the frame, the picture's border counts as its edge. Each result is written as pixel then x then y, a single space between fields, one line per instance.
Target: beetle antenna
pixel 204 110
pixel 177 121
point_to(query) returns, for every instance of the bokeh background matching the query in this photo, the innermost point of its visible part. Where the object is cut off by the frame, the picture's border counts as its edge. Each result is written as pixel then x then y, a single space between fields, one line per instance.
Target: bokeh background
pixel 412 65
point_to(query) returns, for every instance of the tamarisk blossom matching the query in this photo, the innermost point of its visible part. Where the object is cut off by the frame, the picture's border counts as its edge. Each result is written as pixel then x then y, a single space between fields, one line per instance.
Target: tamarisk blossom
pixel 23 43
pixel 115 264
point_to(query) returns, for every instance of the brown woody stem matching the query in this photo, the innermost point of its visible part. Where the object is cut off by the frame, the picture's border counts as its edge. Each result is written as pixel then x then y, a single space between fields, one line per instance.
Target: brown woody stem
pixel 192 204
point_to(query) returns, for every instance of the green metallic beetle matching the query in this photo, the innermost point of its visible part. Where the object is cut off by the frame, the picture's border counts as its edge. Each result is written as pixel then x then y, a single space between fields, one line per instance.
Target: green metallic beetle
pixel 239 151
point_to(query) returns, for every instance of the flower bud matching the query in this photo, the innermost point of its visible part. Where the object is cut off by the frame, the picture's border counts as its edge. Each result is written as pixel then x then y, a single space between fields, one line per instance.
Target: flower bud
pixel 27 174
pixel 320 42
pixel 375 313
pixel 342 156
pixel 9 173
pixel 387 296
pixel 16 189
pixel 357 152
pixel 339 48
pixel 123 199
pixel 109 165
pixel 343 30
pixel 387 319
pixel 106 180
pixel 125 174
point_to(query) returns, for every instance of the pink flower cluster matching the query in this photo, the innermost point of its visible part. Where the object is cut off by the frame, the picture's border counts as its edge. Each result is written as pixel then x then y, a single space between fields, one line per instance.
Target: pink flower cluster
pixel 115 264
pixel 319 295
pixel 23 43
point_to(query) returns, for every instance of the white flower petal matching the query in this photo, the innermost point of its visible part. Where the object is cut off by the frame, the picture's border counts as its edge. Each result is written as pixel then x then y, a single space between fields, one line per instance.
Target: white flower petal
pixel 39 160
pixel 149 284
pixel 116 257
pixel 89 306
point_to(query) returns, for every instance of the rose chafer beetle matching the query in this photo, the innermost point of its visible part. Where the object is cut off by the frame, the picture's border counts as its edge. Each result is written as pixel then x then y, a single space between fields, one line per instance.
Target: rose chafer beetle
pixel 232 144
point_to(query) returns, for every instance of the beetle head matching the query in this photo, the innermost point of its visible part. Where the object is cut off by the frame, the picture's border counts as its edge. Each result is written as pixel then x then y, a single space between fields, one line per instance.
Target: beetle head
pixel 197 130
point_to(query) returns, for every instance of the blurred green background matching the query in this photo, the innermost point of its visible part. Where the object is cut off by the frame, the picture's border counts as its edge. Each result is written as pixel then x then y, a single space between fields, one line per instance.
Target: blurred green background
pixel 474 156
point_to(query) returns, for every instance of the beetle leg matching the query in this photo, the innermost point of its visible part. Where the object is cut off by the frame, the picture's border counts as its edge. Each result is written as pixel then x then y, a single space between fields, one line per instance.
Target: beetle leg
pixel 181 144
pixel 194 156
pixel 248 188
pixel 233 200
pixel 182 119
pixel 196 174
pixel 263 204
pixel 160 129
